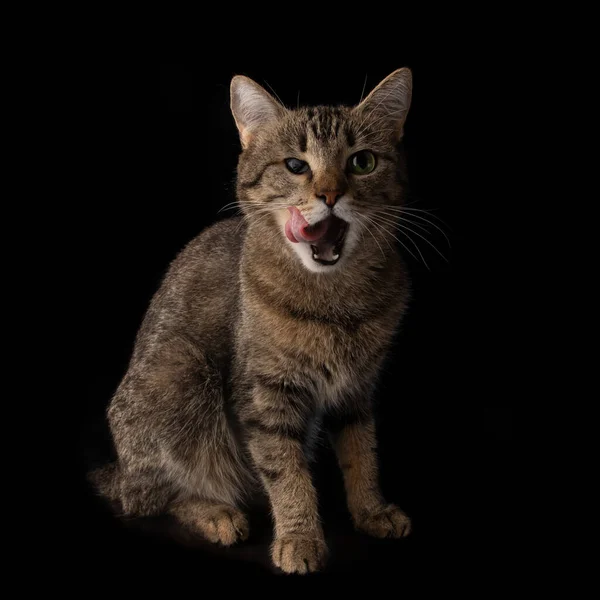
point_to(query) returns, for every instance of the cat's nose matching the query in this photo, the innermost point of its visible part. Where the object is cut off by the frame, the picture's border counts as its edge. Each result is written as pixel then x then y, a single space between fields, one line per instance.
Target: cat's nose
pixel 330 198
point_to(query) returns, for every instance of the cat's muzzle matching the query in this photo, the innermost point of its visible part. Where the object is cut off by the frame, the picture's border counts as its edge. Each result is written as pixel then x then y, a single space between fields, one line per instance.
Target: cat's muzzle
pixel 326 237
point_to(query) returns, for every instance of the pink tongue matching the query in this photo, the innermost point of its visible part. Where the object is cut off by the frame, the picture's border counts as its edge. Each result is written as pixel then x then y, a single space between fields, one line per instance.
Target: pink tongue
pixel 297 228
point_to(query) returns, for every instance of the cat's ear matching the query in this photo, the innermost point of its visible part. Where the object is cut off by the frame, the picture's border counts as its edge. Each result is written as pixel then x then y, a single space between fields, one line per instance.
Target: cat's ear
pixel 389 101
pixel 252 107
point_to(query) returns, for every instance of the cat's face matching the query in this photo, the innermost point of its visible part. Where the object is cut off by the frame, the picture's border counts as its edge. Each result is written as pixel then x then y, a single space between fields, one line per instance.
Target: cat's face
pixel 320 174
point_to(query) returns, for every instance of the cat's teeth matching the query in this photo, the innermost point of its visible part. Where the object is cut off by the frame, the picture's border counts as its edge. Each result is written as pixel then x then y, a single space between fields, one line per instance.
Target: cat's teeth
pixel 336 256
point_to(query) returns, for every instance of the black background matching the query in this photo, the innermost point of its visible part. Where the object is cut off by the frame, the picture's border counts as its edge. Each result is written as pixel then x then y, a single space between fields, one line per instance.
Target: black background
pixel 161 150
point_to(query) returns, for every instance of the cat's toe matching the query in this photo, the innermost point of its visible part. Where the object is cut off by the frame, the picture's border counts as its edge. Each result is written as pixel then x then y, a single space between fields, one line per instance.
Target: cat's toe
pixel 294 554
pixel 389 522
pixel 225 526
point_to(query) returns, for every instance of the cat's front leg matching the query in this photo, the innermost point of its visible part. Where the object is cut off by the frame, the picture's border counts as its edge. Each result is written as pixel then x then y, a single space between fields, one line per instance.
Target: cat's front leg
pixel 354 444
pixel 276 426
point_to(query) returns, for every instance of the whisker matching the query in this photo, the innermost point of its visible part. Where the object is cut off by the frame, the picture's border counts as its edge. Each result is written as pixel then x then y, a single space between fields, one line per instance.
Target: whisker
pixel 244 218
pixel 382 228
pixel 424 239
pixel 399 227
pixel 241 204
pixel 276 96
pixel 393 220
pixel 372 222
pixel 367 229
pixel 229 206
pixel 431 223
pixel 409 208
pixel 363 89
pixel 370 134
pixel 408 211
pixel 258 218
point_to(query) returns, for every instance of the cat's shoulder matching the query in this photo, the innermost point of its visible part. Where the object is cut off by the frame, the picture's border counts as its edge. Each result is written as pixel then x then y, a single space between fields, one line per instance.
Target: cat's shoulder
pixel 222 236
pixel 210 259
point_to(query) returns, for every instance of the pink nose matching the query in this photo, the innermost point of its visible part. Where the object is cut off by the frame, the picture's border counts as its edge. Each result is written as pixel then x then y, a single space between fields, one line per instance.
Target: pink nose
pixel 330 198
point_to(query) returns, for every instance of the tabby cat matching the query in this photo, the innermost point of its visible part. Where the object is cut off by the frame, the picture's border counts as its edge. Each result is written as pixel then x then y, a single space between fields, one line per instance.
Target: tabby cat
pixel 271 326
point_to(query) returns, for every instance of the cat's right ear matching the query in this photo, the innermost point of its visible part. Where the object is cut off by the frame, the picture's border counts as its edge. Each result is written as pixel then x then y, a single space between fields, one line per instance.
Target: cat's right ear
pixel 252 107
pixel 389 101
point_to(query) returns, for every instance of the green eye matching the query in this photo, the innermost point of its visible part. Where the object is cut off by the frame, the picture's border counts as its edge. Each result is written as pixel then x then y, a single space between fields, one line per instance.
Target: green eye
pixel 362 162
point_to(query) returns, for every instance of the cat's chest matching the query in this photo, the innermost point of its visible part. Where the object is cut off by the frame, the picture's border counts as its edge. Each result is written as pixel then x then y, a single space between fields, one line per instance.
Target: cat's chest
pixel 333 358
pixel 337 362
pixel 334 383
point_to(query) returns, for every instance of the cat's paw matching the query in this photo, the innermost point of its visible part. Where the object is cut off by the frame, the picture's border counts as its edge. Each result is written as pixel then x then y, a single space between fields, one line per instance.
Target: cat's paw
pixel 224 525
pixel 388 522
pixel 296 554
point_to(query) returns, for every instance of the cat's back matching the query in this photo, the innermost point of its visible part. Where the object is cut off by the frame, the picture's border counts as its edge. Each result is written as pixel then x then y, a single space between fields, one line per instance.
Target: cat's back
pixel 199 294
pixel 209 260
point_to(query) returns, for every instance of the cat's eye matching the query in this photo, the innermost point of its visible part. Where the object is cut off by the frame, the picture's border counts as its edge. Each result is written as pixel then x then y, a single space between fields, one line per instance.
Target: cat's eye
pixel 296 166
pixel 362 162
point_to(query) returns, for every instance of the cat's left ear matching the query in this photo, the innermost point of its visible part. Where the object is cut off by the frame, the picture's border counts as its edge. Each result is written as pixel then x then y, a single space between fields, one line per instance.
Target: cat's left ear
pixel 389 101
pixel 252 107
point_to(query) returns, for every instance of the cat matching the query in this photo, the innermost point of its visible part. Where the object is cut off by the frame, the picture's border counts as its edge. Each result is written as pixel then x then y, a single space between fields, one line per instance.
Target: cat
pixel 270 326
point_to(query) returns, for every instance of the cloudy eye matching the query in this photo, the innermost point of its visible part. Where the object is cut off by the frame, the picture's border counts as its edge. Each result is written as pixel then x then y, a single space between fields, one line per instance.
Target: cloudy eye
pixel 296 165
pixel 362 162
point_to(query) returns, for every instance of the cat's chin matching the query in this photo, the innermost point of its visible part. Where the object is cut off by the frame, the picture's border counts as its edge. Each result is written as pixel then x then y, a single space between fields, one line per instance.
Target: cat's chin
pixel 316 265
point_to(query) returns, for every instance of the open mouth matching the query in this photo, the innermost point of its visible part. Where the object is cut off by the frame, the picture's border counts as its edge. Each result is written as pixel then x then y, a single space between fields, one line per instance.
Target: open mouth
pixel 328 248
pixel 326 237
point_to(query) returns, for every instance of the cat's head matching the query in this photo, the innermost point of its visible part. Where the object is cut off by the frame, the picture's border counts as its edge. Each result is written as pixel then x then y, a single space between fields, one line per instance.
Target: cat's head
pixel 325 177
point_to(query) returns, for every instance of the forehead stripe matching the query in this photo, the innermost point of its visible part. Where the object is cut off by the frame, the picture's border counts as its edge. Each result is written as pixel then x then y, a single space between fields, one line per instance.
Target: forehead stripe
pixel 349 136
pixel 302 141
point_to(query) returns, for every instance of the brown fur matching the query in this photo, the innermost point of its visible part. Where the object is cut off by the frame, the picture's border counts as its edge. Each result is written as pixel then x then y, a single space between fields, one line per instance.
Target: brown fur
pixel 248 346
pixel 355 449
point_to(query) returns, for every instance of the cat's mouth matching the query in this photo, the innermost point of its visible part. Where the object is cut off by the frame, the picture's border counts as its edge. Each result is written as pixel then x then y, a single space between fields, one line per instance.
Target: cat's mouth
pixel 326 237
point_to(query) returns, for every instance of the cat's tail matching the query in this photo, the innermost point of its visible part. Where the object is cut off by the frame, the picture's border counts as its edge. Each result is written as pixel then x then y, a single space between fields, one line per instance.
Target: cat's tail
pixel 107 480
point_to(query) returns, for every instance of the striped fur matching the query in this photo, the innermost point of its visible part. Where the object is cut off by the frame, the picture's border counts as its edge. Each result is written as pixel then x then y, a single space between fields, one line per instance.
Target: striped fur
pixel 244 351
